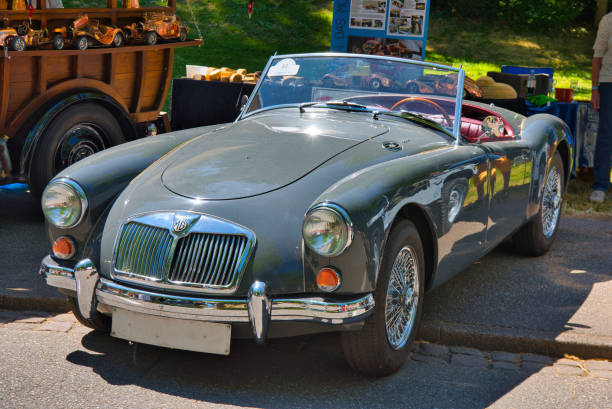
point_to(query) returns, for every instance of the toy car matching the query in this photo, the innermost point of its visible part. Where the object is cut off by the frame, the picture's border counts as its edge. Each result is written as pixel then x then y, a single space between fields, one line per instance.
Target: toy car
pixel 84 33
pixel 155 27
pixel 376 77
pixel 10 39
pixel 38 38
pixel 303 216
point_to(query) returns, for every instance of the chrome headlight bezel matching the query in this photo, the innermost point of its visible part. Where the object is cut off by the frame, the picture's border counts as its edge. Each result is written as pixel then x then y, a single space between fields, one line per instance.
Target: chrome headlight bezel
pixel 338 212
pixel 75 190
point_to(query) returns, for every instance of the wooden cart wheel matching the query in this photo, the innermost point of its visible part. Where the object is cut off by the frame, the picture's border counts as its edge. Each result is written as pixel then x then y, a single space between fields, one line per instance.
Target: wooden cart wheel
pixel 76 133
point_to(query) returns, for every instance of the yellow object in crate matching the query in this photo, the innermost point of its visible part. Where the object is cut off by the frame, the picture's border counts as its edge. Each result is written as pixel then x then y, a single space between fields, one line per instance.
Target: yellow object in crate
pixel 224 74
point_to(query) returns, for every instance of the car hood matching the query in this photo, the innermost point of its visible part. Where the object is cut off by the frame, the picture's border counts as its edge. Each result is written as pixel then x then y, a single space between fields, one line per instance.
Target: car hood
pixel 262 154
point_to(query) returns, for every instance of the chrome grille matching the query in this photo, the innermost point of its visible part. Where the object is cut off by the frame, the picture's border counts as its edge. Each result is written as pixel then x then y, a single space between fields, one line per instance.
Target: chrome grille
pixel 209 259
pixel 143 250
pixel 206 254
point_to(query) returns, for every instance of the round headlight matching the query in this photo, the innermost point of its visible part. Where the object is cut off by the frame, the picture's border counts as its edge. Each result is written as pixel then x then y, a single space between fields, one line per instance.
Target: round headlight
pixel 327 231
pixel 63 203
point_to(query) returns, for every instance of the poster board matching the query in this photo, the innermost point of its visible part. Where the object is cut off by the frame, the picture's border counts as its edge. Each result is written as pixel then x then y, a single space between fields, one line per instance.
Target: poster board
pixel 381 27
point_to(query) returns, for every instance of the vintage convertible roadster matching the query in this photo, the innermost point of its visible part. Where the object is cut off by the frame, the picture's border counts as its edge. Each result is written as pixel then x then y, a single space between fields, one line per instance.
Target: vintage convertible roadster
pixel 303 216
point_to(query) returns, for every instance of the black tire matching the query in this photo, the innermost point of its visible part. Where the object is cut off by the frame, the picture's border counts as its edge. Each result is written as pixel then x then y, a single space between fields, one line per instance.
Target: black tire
pixel 99 322
pixel 58 42
pixel 376 84
pixel 118 40
pixel 183 35
pixel 537 236
pixel 370 350
pixel 82 43
pixel 151 38
pixel 18 43
pixel 77 132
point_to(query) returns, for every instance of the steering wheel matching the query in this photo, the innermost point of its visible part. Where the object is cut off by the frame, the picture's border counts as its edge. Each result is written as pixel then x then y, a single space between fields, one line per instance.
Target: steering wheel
pixel 436 105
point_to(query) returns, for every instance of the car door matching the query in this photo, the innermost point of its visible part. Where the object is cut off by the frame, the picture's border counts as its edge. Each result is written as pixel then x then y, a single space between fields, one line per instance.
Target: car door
pixel 508 187
pixel 464 207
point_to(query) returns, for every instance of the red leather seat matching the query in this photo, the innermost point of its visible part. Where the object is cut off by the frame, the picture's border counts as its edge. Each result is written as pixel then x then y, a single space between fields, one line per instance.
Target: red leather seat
pixel 470 129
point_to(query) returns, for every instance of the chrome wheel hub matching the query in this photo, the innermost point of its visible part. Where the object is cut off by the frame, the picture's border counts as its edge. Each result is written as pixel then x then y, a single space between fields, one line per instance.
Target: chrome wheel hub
pixel 402 298
pixel 79 142
pixel 551 202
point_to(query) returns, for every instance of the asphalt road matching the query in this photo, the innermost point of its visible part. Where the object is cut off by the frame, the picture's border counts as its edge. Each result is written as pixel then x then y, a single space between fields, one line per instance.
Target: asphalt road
pixel 42 366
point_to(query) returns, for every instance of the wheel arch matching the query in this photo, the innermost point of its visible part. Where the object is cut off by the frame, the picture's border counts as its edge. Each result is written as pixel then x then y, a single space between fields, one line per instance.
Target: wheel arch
pixel 564 150
pixel 424 225
pixel 32 121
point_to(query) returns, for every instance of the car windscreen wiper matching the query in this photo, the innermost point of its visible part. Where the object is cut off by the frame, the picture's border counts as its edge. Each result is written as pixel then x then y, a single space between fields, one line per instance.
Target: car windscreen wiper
pixel 411 116
pixel 343 104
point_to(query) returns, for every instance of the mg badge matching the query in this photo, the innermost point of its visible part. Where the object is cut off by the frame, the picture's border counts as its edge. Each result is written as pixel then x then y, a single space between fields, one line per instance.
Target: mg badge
pixel 182 223
pixel 179 226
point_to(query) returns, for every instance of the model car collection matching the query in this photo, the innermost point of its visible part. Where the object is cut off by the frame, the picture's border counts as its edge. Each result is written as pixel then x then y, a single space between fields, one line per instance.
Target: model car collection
pixel 83 33
pixel 319 209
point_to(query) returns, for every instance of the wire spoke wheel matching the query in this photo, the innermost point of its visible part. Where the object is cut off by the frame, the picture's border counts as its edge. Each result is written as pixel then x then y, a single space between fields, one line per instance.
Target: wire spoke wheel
pixel 402 298
pixel 536 236
pixel 383 344
pixel 551 202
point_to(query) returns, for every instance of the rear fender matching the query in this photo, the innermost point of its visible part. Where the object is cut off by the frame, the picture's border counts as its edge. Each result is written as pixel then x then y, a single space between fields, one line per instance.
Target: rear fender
pixel 546 134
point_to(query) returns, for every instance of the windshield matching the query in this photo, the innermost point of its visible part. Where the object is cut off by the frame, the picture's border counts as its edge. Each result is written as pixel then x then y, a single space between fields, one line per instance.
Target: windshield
pixel 412 89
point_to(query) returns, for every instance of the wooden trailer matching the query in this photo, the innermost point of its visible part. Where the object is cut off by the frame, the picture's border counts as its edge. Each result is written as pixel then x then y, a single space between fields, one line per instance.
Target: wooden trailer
pixel 59 106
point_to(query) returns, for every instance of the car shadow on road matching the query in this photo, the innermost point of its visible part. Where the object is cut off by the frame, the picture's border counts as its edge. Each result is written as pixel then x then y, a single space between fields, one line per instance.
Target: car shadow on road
pixel 307 371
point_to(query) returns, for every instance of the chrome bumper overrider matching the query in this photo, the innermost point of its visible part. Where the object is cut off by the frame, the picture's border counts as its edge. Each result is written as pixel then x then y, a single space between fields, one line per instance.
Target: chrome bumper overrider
pixel 94 292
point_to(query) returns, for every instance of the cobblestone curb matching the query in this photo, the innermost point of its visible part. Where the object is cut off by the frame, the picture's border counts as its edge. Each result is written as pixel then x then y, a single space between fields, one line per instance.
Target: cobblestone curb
pixel 522 362
pixel 516 340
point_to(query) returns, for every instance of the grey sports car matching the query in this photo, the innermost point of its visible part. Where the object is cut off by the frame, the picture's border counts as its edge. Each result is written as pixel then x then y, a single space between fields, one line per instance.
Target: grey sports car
pixel 321 208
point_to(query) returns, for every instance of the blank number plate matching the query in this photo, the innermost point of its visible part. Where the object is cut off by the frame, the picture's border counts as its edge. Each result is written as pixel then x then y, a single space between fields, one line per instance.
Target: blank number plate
pixel 209 337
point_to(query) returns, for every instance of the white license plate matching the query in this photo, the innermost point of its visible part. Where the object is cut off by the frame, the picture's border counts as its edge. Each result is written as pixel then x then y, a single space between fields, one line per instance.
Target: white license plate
pixel 209 337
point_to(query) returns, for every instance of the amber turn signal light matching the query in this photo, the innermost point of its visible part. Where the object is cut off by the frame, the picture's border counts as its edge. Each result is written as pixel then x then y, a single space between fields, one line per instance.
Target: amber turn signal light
pixel 64 248
pixel 328 279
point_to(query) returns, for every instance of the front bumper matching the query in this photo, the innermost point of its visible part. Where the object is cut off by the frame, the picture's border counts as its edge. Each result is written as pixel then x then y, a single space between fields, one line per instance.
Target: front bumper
pixel 97 293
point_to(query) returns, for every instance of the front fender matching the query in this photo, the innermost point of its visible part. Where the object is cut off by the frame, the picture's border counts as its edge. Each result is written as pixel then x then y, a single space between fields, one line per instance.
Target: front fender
pixel 373 197
pixel 104 175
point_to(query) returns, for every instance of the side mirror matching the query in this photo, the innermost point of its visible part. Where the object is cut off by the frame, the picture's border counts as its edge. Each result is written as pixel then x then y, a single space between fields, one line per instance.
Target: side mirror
pixel 493 126
pixel 243 101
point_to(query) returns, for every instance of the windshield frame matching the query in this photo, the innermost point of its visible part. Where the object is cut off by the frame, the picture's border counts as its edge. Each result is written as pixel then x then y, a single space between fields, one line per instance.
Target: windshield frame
pixel 458 99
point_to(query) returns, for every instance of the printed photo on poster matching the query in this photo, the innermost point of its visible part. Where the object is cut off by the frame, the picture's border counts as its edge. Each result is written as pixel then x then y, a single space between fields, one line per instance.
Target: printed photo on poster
pixel 386 46
pixel 406 18
pixel 368 14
